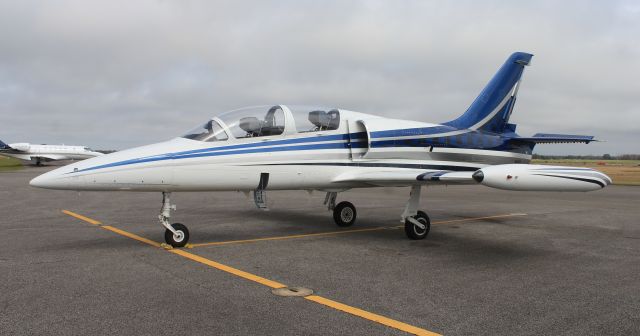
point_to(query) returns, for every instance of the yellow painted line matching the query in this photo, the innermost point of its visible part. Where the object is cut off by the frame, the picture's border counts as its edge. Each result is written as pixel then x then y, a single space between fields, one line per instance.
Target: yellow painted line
pixel 269 283
pixel 329 233
pixel 131 235
pixel 479 218
pixel 370 316
pixel 81 217
pixel 228 269
pixel 111 228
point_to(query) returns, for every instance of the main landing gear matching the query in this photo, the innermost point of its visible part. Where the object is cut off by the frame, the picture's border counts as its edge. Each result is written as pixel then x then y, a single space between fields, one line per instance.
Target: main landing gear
pixel 344 213
pixel 176 234
pixel 416 223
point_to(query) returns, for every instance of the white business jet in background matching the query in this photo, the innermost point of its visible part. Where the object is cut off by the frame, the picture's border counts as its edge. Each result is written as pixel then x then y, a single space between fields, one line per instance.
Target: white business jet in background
pixel 41 153
pixel 281 147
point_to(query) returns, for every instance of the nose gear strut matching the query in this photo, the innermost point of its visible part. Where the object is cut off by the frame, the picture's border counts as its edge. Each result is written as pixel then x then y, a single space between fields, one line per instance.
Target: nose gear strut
pixel 176 235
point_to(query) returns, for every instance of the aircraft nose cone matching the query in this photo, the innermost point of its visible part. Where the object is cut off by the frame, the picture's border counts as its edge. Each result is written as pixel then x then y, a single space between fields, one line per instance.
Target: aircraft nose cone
pixel 41 181
pixel 37 182
pixel 50 180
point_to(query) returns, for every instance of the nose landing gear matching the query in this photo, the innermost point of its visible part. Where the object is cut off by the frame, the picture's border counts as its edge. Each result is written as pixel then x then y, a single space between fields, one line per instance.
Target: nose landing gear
pixel 176 235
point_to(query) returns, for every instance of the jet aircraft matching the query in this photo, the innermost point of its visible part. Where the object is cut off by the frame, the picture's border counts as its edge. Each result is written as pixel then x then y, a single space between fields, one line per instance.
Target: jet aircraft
pixel 281 147
pixel 40 153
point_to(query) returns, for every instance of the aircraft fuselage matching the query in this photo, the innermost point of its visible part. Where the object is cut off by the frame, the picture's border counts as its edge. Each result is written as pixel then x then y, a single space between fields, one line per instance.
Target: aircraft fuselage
pixel 293 159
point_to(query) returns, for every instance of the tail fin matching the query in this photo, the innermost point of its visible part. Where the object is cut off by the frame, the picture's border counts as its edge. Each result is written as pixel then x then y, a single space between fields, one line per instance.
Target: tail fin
pixel 491 110
pixel 3 145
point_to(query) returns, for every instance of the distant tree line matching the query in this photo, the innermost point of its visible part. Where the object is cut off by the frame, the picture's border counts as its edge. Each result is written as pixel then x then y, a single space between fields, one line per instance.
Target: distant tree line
pixel 587 157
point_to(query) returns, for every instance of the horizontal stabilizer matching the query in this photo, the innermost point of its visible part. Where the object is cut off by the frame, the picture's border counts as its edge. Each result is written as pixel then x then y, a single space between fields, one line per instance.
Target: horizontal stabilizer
pixel 542 138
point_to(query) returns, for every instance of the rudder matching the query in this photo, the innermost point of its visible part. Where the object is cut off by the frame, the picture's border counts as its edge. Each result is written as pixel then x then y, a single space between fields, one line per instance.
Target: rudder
pixel 491 110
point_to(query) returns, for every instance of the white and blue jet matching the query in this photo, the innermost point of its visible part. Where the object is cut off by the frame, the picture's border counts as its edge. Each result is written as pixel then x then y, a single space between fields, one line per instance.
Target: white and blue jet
pixel 43 153
pixel 282 147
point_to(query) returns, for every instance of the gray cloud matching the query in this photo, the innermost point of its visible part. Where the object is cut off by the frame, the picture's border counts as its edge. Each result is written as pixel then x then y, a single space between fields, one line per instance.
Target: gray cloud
pixel 116 74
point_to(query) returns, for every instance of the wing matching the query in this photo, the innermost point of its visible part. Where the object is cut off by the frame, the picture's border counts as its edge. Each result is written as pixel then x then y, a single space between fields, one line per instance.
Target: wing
pixel 387 178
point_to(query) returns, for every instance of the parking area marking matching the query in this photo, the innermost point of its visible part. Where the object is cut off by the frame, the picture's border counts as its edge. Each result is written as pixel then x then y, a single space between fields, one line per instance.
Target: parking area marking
pixel 228 269
pixel 318 234
pixel 370 316
pixel 331 233
pixel 266 282
pixel 81 217
pixel 472 219
pixel 131 235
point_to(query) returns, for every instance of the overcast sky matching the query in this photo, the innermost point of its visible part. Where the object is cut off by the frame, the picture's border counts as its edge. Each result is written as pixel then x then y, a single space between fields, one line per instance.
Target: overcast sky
pixel 118 74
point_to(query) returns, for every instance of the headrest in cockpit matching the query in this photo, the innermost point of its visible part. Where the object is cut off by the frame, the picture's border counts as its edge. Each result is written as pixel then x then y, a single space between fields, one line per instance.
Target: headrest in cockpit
pixel 250 124
pixel 319 118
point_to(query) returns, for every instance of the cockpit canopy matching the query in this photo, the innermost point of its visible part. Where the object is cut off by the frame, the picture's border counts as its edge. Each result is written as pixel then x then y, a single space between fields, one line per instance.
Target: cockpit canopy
pixel 210 131
pixel 263 121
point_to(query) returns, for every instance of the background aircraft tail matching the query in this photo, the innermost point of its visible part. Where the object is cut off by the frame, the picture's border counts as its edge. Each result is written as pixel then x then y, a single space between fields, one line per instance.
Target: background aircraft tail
pixel 3 145
pixel 491 110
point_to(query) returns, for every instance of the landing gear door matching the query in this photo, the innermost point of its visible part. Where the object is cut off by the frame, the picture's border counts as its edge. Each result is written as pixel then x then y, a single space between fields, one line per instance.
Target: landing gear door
pixel 359 140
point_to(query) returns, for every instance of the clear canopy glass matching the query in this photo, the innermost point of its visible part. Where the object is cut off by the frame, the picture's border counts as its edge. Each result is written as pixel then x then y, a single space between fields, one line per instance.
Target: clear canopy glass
pixel 264 121
pixel 255 121
pixel 315 119
pixel 209 132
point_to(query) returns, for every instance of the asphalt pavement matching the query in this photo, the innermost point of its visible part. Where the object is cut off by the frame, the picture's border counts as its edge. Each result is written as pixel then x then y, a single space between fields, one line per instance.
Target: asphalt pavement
pixel 495 262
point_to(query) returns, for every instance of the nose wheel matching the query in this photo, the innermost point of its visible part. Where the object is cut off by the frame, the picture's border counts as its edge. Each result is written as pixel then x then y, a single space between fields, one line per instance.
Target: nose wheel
pixel 178 237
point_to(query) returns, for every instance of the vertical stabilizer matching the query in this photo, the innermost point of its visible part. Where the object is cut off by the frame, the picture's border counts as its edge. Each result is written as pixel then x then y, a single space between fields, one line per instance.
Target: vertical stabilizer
pixel 491 110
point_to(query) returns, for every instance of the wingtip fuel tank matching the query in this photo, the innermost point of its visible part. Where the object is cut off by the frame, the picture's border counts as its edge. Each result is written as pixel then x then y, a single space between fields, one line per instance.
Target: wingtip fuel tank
pixel 525 177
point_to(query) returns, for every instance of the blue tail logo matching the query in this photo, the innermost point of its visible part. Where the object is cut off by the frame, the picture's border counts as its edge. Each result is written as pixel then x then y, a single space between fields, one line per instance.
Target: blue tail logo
pixel 491 110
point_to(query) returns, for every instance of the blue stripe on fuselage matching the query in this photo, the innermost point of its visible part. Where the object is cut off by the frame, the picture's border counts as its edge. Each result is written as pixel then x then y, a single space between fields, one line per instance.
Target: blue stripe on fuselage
pixel 472 139
pixel 229 149
pixel 406 132
pixel 325 138
pixel 337 145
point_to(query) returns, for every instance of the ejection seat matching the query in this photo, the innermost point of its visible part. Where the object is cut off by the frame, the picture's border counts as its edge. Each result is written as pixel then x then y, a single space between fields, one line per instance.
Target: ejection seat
pixel 325 121
pixel 252 126
pixel 320 119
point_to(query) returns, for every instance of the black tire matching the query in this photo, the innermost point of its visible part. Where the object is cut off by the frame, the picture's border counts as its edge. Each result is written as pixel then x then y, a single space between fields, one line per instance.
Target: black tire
pixel 344 214
pixel 415 232
pixel 177 241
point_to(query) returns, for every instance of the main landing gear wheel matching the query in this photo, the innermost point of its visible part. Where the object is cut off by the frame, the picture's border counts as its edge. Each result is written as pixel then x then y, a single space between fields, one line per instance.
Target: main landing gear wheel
pixel 179 239
pixel 344 214
pixel 413 230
